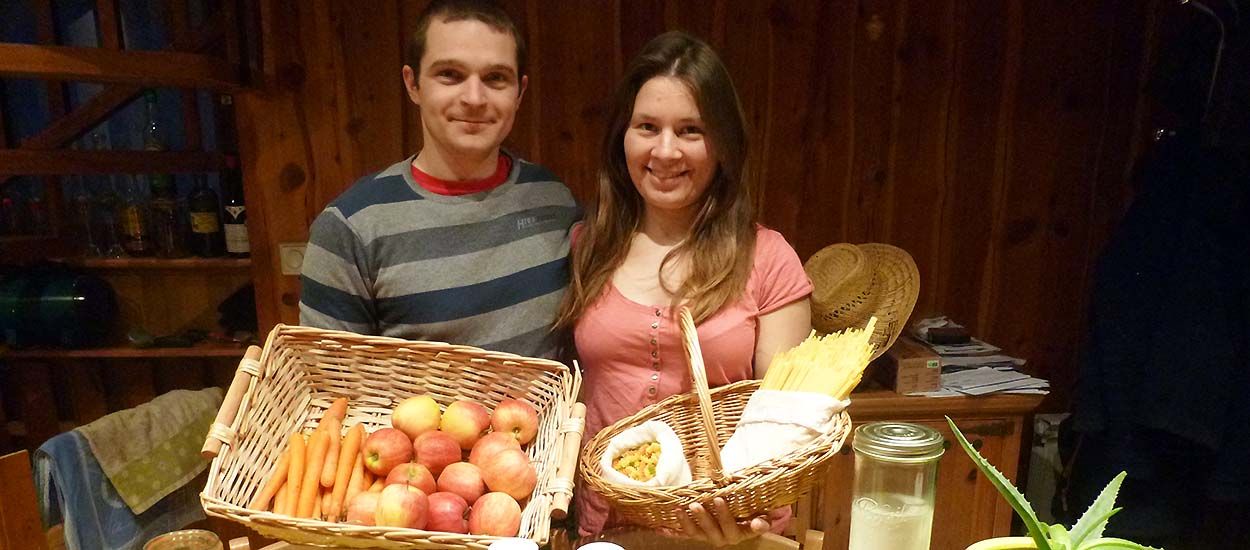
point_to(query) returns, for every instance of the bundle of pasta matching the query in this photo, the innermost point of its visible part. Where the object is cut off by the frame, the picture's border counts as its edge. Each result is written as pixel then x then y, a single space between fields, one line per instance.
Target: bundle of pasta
pixel 803 389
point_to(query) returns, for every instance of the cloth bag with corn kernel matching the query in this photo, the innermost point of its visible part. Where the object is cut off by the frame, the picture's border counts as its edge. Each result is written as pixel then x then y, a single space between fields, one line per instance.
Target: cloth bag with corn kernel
pixel 671 467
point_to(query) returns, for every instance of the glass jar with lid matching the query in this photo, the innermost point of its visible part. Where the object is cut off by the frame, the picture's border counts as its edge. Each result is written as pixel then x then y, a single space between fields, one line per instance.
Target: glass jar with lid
pixel 895 482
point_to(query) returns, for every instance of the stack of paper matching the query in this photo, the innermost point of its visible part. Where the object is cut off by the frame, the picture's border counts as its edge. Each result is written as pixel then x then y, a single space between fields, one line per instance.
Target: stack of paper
pixel 977 367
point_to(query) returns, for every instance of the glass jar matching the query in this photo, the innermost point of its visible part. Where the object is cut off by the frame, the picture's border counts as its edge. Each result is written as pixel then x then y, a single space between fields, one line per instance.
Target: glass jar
pixel 895 481
pixel 187 539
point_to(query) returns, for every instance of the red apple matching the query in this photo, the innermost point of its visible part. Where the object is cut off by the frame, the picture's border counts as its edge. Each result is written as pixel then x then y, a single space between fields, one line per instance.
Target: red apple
pixel 515 417
pixel 495 514
pixel 463 479
pixel 362 509
pixel 412 474
pixel 490 445
pixel 402 505
pixel 386 449
pixel 416 415
pixel 448 513
pixel 510 472
pixel 465 421
pixel 435 450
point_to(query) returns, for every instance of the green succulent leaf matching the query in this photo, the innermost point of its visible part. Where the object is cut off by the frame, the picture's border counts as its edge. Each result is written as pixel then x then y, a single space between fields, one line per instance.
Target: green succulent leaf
pixel 1094 520
pixel 1114 544
pixel 1059 537
pixel 1036 528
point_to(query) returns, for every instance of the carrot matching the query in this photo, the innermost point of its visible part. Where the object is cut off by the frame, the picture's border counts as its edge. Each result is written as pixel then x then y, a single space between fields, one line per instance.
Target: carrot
pixel 317 446
pixel 346 465
pixel 338 409
pixel 356 485
pixel 330 469
pixel 276 479
pixel 279 500
pixel 295 474
pixel 326 498
pixel 316 511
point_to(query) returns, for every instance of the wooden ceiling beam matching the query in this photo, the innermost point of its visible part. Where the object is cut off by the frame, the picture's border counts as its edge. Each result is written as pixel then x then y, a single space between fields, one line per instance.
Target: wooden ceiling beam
pixel 145 68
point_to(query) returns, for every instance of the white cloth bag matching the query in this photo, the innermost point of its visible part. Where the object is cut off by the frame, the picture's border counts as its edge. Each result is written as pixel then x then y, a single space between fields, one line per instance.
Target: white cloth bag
pixel 776 422
pixel 671 469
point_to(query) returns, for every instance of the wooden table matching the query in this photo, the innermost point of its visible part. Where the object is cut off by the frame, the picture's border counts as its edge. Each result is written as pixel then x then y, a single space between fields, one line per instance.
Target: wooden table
pixel 968 508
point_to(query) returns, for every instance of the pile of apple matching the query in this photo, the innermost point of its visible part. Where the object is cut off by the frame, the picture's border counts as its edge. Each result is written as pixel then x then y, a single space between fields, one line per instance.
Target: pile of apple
pixel 429 484
pixel 460 470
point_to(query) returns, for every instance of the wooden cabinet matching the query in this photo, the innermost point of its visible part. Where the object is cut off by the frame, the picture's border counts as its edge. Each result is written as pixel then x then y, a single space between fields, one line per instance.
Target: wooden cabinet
pixel 968 508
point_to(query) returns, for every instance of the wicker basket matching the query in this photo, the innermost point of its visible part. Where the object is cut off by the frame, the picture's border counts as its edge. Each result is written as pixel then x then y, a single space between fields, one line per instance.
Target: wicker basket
pixel 302 370
pixel 703 421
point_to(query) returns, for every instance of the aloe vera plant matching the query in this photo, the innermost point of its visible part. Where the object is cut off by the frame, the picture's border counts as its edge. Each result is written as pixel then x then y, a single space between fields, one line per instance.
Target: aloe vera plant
pixel 1085 535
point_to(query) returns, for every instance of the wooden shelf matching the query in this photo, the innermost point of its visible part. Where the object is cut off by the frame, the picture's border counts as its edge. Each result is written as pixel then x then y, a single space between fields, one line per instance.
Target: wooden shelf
pixel 65 162
pixel 161 263
pixel 126 352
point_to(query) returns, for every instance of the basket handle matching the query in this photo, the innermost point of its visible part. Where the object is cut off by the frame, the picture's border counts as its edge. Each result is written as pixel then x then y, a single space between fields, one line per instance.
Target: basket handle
pixel 570 446
pixel 698 382
pixel 220 432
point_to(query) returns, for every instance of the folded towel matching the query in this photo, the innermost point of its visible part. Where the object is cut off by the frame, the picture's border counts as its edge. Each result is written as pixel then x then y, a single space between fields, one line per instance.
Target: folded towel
pixel 151 450
pixel 74 491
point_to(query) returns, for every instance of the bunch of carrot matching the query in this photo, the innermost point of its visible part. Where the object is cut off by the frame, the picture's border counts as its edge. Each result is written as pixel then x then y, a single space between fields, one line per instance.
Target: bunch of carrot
pixel 319 473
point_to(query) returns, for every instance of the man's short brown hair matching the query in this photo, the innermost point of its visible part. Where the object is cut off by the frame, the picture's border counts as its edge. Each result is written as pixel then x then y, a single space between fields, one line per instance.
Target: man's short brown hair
pixel 448 11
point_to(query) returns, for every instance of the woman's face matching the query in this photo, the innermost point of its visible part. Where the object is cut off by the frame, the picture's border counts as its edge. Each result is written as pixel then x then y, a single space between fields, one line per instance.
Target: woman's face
pixel 668 152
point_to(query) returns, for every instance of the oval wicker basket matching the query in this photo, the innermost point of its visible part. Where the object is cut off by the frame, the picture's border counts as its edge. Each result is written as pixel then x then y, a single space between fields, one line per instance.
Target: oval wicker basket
pixel 302 370
pixel 703 421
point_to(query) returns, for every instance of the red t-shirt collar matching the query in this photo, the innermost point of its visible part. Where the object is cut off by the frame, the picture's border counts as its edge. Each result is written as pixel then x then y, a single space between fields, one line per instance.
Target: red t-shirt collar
pixel 464 187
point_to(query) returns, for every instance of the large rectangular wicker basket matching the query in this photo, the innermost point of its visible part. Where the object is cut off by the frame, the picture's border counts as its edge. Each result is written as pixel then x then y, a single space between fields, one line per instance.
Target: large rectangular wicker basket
pixel 301 371
pixel 703 421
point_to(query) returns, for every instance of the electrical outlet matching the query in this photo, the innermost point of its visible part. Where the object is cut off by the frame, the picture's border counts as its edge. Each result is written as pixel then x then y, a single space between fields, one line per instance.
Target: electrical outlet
pixel 292 256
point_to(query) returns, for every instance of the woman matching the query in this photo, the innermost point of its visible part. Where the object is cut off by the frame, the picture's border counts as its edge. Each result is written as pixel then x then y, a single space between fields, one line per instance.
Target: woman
pixel 674 225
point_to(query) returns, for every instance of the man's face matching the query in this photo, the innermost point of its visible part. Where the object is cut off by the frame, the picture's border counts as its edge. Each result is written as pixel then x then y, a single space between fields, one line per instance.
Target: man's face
pixel 468 88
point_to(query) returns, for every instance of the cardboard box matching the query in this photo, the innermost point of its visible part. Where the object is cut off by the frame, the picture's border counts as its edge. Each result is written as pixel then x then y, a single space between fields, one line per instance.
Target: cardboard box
pixel 909 367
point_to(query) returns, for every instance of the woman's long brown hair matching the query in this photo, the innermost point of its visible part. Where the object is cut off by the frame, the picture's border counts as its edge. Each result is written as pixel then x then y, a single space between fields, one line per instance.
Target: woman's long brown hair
pixel 721 245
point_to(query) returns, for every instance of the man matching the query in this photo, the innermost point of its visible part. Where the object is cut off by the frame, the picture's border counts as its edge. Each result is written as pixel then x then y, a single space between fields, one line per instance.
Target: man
pixel 462 243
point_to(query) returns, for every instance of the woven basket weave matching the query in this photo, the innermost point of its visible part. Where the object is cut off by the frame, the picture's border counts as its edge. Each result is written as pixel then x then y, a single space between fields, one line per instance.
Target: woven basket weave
pixel 303 370
pixel 703 421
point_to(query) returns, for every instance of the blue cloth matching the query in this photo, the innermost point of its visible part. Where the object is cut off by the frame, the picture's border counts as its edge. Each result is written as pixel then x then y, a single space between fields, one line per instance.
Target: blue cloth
pixel 73 490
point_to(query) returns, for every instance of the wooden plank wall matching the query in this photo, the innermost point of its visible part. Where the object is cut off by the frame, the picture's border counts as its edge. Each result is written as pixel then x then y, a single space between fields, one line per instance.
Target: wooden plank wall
pixel 989 138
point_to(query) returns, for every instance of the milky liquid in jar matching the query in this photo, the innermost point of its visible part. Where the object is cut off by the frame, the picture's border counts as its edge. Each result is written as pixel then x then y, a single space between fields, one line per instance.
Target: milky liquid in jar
pixel 895 484
pixel 890 522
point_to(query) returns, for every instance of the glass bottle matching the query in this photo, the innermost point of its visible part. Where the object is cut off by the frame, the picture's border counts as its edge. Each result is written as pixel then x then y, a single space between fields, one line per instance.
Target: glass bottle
pixel 895 484
pixel 151 125
pixel 106 228
pixel 206 238
pixel 167 229
pixel 78 204
pixel 136 234
pixel 235 221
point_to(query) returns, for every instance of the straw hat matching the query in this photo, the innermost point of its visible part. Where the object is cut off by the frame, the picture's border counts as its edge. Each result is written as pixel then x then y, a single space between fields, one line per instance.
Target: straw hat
pixel 855 282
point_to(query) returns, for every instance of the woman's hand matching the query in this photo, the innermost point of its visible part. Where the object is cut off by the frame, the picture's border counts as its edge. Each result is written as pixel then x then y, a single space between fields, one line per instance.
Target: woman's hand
pixel 717 526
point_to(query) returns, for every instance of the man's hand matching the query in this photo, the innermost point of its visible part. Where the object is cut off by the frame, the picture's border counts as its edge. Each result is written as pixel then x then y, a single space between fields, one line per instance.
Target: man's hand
pixel 717 526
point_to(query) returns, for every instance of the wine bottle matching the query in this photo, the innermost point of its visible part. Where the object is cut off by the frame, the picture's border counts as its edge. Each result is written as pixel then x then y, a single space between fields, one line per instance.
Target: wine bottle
pixel 235 221
pixel 206 238
pixel 136 235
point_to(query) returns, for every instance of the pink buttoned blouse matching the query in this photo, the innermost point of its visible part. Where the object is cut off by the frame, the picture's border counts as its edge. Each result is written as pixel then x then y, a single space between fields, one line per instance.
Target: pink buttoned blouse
pixel 632 353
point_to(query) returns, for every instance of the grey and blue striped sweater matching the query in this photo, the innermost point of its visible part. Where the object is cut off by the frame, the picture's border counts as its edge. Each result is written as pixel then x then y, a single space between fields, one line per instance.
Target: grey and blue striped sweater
pixel 390 258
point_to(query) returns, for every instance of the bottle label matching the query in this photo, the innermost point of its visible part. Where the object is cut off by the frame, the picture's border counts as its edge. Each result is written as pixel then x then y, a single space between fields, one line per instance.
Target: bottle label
pixel 204 222
pixel 235 211
pixel 132 222
pixel 236 239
